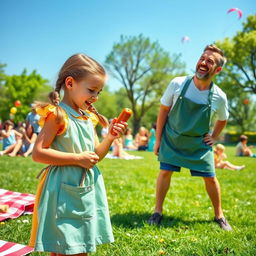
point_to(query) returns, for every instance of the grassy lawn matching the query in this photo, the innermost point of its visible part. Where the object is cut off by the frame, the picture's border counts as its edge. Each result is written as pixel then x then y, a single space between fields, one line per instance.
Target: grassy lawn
pixel 187 227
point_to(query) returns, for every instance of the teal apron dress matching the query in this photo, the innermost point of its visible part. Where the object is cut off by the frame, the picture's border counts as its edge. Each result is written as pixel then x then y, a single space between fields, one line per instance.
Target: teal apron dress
pixel 72 217
pixel 182 139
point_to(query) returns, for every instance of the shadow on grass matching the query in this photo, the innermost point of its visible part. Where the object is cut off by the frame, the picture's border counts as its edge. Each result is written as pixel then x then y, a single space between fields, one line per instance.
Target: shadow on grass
pixel 139 220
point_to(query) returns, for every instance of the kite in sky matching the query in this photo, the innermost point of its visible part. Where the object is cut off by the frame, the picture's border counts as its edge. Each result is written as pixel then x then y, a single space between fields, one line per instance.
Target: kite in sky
pixel 240 13
pixel 185 39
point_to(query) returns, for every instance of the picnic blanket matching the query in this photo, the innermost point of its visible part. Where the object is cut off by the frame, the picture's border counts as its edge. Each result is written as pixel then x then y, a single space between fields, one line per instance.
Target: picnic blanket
pixel 13 249
pixel 19 203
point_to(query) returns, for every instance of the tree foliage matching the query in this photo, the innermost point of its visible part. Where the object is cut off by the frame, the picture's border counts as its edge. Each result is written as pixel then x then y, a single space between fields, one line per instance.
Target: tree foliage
pixel 26 88
pixel 107 105
pixel 238 78
pixel 144 69
pixel 2 74
pixel 241 54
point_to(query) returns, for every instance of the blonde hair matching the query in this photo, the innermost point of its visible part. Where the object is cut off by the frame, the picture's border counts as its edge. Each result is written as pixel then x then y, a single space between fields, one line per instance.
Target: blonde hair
pixel 220 146
pixel 78 66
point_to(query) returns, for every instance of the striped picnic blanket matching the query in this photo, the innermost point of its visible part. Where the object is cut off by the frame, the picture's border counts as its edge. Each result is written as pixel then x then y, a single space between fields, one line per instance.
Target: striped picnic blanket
pixel 13 249
pixel 19 203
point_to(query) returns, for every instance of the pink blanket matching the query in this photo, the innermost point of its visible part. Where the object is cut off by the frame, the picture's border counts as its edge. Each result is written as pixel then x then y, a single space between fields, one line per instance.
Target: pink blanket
pixel 19 203
pixel 13 249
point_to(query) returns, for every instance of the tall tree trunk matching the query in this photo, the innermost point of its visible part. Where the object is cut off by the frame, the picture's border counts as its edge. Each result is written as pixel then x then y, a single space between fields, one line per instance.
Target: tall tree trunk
pixel 136 125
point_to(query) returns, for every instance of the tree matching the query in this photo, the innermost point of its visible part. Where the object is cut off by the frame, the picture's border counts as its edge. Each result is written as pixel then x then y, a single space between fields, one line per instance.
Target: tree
pixel 241 55
pixel 238 78
pixel 26 88
pixel 107 105
pixel 2 89
pixel 122 99
pixel 144 69
pixel 2 74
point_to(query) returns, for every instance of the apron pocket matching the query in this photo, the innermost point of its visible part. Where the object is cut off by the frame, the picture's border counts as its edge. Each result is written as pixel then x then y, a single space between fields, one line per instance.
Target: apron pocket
pixel 75 202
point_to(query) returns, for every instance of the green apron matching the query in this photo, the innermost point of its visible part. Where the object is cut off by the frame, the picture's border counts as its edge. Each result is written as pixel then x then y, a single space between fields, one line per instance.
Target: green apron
pixel 182 139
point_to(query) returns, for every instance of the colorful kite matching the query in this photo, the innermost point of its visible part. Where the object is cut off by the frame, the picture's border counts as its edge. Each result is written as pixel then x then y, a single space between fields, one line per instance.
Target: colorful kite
pixel 240 13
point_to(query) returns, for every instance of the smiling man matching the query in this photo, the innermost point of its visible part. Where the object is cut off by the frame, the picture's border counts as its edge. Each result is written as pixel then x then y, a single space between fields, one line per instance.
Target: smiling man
pixel 183 136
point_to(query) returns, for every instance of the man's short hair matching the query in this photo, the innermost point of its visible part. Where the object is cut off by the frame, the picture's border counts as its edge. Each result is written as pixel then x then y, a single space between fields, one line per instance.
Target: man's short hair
pixel 212 47
pixel 243 138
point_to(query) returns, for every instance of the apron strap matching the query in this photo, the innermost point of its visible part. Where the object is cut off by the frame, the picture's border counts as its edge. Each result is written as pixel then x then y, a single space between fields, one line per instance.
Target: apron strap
pixel 81 184
pixel 187 83
pixel 210 94
pixel 42 171
pixel 185 87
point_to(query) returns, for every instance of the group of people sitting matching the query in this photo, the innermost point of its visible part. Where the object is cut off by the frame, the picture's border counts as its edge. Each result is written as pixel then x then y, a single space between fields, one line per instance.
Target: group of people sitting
pixel 17 142
pixel 20 140
pixel 144 140
pixel 241 150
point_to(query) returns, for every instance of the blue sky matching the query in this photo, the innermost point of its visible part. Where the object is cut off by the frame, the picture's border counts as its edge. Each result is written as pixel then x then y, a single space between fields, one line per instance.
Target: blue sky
pixel 42 34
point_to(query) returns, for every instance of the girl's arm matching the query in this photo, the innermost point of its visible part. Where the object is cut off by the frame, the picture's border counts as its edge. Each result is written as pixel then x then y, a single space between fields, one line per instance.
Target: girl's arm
pixel 18 134
pixel 7 133
pixel 32 139
pixel 101 149
pixel 44 154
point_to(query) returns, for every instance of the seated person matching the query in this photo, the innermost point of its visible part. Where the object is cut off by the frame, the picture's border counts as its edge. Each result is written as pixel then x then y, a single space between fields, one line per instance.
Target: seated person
pixel 152 138
pixel 118 151
pixel 28 141
pixel 242 149
pixel 128 140
pixel 220 156
pixel 12 140
pixel 141 139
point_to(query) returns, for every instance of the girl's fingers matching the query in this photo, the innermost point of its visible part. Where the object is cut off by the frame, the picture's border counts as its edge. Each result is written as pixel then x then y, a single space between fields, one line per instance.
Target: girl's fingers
pixel 118 128
pixel 121 127
pixel 94 156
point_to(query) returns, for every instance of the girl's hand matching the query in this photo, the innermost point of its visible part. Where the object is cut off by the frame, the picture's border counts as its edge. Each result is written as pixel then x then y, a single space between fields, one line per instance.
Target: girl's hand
pixel 118 128
pixel 209 140
pixel 87 159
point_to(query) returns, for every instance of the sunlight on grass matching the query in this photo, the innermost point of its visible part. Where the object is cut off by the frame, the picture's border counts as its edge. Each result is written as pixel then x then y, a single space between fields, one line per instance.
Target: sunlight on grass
pixel 187 227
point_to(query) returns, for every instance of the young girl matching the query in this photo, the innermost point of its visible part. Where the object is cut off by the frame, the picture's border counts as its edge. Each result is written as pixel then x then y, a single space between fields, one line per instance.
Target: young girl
pixel 71 212
pixel 11 139
pixel 128 140
pixel 29 138
pixel 141 139
pixel 220 156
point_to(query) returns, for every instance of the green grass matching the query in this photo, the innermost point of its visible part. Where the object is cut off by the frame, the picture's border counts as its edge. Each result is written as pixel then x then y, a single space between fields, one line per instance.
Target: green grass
pixel 187 227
